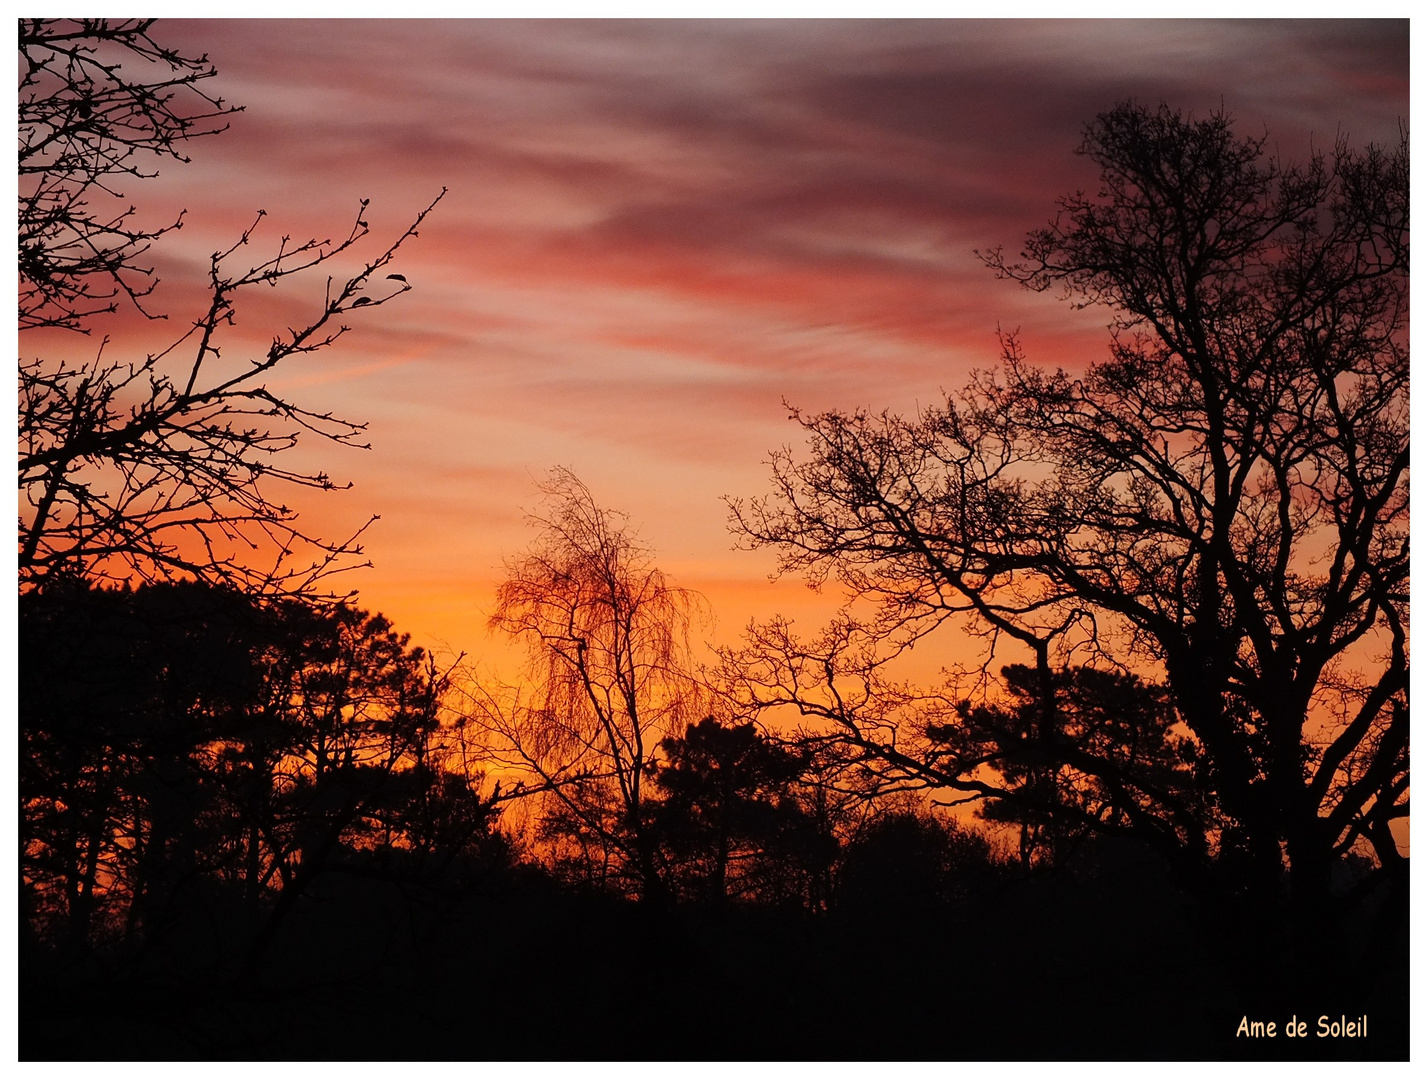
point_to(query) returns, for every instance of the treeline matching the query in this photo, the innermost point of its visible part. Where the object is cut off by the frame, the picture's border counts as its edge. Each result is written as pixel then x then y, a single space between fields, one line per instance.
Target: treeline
pixel 261 829
pixel 231 804
pixel 184 740
pixel 265 828
pixel 187 745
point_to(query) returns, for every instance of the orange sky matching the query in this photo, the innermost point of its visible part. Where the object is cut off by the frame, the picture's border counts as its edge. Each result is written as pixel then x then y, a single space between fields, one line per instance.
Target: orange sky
pixel 657 232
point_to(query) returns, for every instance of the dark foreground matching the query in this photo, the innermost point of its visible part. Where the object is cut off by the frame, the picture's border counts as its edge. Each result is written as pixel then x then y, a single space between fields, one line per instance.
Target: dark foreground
pixel 509 966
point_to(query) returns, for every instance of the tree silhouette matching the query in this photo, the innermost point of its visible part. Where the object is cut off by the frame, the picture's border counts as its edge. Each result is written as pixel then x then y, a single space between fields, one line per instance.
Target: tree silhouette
pixel 118 693
pixel 608 673
pixel 1055 765
pixel 161 465
pixel 86 124
pixel 1222 502
pixel 914 866
pixel 727 811
pixel 180 738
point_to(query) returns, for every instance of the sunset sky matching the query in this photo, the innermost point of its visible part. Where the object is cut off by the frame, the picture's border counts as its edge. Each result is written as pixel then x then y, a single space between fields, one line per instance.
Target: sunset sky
pixel 658 232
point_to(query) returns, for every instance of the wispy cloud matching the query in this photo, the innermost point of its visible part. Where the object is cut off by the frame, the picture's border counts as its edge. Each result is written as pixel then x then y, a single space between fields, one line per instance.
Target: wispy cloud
pixel 657 231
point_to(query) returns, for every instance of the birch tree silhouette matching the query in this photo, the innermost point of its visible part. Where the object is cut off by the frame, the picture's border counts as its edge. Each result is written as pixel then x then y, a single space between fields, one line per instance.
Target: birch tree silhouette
pixel 608 673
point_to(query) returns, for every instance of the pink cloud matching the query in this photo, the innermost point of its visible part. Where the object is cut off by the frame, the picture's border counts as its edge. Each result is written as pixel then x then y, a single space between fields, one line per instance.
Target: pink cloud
pixel 657 231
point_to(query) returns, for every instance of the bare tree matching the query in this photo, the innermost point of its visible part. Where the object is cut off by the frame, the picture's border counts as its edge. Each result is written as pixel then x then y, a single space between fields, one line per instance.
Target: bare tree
pixel 161 465
pixel 100 101
pixel 609 676
pixel 1222 503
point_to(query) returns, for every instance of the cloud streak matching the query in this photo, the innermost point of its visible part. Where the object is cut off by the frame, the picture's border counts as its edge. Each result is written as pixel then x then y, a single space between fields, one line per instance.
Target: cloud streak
pixel 658 231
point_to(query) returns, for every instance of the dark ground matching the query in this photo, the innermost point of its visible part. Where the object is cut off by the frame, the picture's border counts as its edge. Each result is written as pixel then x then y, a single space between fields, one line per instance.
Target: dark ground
pixel 513 967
